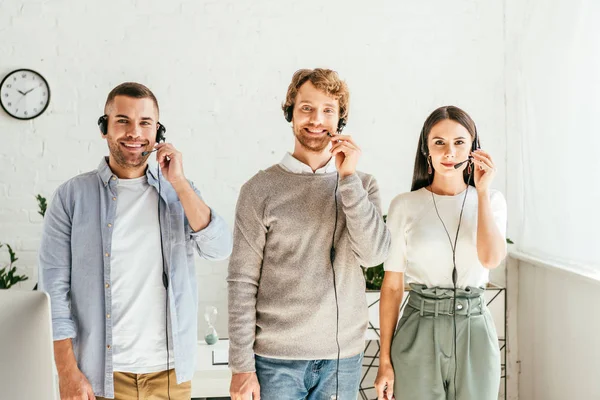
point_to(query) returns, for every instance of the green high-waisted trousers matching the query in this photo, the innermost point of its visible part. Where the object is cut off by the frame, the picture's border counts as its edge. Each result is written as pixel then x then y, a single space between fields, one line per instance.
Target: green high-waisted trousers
pixel 423 347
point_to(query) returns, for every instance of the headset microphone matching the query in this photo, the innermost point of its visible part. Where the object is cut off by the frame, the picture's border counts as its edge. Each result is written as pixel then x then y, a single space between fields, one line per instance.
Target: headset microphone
pixel 145 153
pixel 456 166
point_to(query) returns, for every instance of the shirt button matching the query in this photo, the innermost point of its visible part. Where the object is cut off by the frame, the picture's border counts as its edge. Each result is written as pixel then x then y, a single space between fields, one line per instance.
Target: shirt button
pixel 114 178
pixel 108 346
pixel 109 225
pixel 114 198
pixel 106 254
pixel 459 307
pixel 107 285
pixel 108 316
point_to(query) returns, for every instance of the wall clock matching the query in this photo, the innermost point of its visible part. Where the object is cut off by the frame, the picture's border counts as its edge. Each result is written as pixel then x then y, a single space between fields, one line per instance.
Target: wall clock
pixel 24 94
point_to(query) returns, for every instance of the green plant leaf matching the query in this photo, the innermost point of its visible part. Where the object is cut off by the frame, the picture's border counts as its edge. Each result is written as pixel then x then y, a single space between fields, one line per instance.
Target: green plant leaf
pixel 8 275
pixel 42 204
pixel 12 254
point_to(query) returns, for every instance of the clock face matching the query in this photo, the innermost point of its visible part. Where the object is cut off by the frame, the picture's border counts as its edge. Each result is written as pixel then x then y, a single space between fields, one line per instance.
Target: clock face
pixel 24 94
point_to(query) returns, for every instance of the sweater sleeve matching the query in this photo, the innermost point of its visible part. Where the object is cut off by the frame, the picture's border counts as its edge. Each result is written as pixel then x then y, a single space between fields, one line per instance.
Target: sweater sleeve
pixel 369 236
pixel 245 265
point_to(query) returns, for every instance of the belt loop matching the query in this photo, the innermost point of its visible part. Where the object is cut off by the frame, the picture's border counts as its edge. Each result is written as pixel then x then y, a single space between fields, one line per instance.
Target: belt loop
pixel 422 306
pixel 468 307
pixel 437 303
pixel 482 304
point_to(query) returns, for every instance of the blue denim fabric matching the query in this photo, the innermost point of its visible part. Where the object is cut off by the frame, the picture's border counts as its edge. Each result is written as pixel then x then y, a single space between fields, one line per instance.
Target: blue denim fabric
pixel 311 380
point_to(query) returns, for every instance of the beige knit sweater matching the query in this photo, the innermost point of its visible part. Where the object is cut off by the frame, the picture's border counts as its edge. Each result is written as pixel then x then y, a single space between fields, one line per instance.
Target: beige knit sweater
pixel 280 281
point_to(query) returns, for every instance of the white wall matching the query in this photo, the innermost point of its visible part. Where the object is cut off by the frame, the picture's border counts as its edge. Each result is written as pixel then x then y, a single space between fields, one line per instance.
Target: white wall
pixel 558 327
pixel 220 70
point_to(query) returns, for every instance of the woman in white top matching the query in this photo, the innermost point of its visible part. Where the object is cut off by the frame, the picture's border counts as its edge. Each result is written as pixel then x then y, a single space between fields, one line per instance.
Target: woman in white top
pixel 447 233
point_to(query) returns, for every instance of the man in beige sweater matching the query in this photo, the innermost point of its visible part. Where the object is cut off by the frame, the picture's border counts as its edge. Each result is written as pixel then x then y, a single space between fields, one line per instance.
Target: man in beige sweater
pixel 303 228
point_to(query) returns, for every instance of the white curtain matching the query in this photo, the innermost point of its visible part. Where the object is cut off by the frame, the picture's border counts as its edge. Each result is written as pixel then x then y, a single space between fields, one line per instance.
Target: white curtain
pixel 553 129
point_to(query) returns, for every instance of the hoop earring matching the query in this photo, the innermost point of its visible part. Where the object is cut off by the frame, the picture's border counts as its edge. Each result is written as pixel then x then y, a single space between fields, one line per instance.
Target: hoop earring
pixel 469 169
pixel 429 169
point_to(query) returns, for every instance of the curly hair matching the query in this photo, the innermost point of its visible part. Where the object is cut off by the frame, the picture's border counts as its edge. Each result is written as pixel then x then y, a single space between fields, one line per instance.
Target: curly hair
pixel 324 79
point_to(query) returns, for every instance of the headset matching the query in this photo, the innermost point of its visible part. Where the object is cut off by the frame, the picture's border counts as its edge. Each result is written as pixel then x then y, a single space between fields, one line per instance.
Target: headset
pixel 160 137
pixel 289 114
pixel 425 151
pixel 160 131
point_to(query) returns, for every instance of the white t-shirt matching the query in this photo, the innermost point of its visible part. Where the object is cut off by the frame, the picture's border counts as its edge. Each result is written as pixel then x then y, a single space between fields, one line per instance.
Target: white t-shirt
pixel 138 300
pixel 420 247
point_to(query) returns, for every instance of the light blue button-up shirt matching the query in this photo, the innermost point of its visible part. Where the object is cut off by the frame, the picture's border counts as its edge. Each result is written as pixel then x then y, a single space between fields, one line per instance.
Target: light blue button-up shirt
pixel 74 269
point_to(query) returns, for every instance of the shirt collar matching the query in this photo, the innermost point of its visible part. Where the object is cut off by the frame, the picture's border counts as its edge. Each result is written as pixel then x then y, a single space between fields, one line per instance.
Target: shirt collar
pixel 105 172
pixel 298 167
pixel 107 175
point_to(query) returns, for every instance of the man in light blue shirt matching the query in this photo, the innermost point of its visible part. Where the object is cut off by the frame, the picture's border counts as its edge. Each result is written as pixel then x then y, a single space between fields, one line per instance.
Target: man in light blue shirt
pixel 117 259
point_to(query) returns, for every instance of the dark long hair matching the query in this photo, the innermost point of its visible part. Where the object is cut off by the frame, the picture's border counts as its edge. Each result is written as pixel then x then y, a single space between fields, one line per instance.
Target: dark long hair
pixel 421 177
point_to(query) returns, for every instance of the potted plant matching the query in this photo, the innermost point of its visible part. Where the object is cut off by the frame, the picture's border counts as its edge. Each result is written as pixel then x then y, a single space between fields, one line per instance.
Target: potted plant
pixel 8 276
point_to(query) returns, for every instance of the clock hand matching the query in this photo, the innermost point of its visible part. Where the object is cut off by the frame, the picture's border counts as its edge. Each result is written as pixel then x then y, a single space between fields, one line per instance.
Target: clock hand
pixel 21 92
pixel 28 91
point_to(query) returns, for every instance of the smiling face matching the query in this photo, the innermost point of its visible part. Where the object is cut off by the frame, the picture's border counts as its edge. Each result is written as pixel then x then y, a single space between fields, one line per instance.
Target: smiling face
pixel 449 143
pixel 315 115
pixel 132 126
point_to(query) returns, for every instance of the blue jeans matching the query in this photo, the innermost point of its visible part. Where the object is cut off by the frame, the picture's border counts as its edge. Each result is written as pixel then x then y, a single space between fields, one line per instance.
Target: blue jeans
pixel 310 380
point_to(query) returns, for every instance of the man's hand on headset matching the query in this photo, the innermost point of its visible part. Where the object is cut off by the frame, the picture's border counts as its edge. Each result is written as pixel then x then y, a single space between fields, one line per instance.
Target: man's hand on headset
pixel 346 153
pixel 171 163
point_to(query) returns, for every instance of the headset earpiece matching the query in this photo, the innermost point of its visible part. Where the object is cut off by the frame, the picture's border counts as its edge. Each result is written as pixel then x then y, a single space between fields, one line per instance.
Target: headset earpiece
pixel 423 142
pixel 289 113
pixel 476 145
pixel 341 125
pixel 160 133
pixel 102 124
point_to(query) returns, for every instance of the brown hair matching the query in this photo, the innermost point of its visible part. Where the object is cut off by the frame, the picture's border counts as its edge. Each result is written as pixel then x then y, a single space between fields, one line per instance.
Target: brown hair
pixel 130 89
pixel 421 177
pixel 324 79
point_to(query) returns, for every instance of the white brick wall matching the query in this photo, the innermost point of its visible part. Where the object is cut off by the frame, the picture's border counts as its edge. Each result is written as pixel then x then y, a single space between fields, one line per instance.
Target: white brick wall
pixel 220 70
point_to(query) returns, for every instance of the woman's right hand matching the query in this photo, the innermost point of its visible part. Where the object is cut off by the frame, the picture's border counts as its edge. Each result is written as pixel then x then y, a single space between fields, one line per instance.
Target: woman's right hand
pixel 384 383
